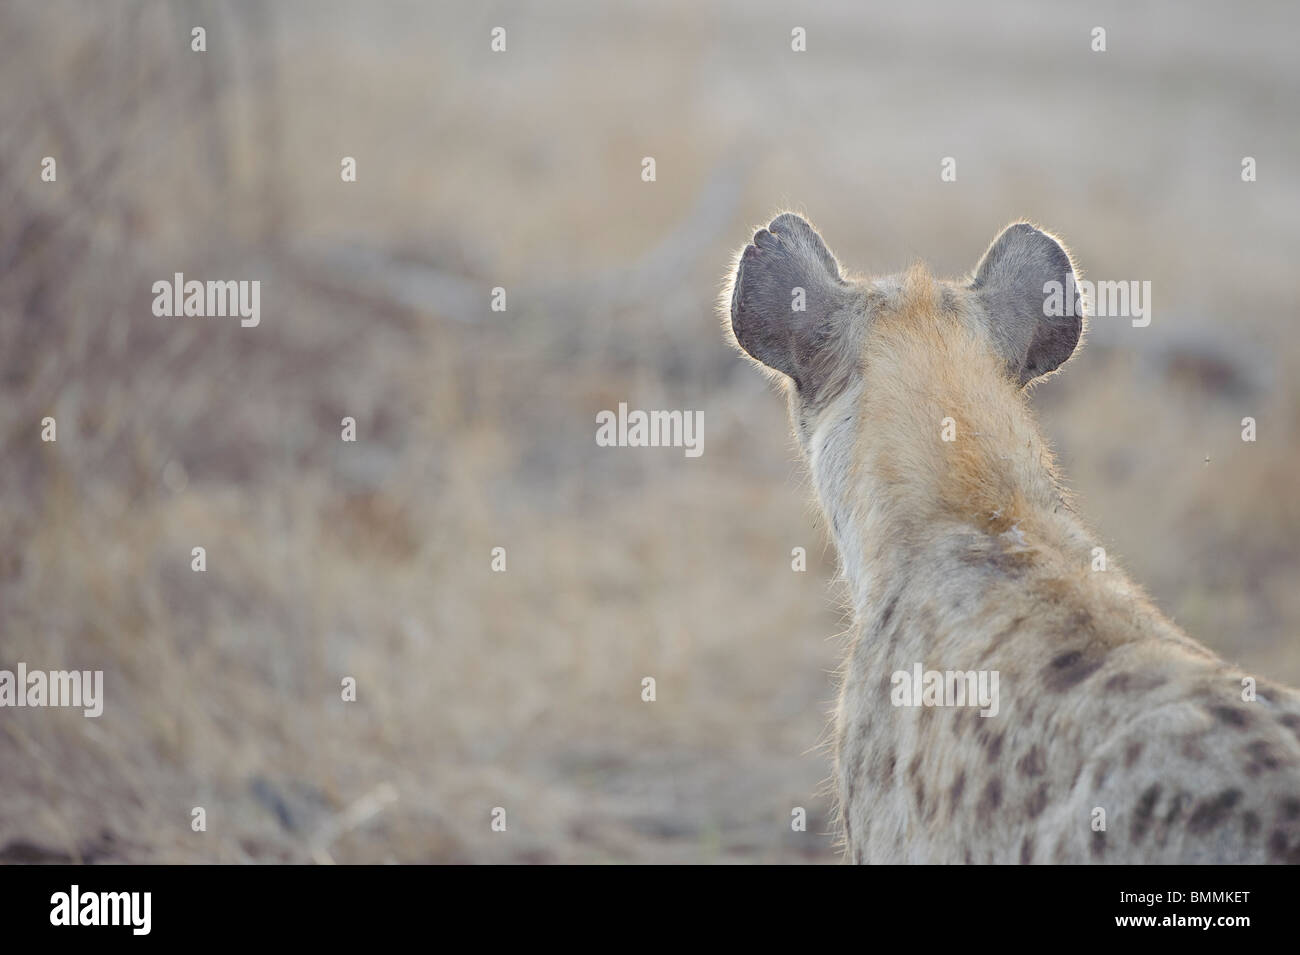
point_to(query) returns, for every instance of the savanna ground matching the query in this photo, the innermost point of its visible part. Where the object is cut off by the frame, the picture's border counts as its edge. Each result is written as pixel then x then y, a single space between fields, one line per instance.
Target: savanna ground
pixel 476 428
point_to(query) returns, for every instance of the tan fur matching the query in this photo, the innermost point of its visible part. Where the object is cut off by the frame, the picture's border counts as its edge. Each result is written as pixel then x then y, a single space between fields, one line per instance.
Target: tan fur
pixel 966 555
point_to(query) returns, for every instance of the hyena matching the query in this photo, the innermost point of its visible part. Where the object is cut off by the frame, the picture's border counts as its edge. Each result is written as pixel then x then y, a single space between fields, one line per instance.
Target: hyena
pixel 1118 738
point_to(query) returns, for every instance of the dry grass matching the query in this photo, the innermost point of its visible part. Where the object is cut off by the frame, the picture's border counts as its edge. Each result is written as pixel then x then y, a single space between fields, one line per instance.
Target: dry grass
pixel 476 428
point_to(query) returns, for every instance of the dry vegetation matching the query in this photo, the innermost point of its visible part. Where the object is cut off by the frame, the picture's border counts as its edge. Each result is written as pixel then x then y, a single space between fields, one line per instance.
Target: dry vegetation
pixel 476 428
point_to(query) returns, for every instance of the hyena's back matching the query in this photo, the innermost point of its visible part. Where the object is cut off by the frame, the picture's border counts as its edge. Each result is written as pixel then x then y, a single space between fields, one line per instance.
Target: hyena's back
pixel 1114 744
pixel 1118 738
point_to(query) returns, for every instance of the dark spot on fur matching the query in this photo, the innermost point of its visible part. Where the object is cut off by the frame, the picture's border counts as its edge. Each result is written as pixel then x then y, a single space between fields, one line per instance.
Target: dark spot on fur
pixel 1231 715
pixel 887 614
pixel 1132 753
pixel 1250 822
pixel 1270 691
pixel 890 762
pixel 1100 774
pixel 1176 806
pixel 1290 808
pixel 1032 763
pixel 919 790
pixel 1007 563
pixel 1069 669
pixel 1261 757
pixel 1098 843
pixel 995 746
pixel 1132 683
pixel 970 860
pixel 1210 812
pixel 914 767
pixel 1037 802
pixel 991 799
pixel 1292 722
pixel 1142 814
pixel 958 785
pixel 1027 850
pixel 1277 843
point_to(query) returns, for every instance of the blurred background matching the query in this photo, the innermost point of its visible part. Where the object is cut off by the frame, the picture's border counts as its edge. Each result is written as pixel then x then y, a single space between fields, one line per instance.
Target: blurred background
pixel 476 428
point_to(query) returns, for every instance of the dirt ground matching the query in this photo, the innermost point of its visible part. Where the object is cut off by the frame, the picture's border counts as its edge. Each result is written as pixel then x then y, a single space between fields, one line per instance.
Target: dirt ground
pixel 522 170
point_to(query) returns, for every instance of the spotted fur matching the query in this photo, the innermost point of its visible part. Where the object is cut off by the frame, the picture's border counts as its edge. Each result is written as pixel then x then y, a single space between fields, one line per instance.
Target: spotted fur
pixel 968 555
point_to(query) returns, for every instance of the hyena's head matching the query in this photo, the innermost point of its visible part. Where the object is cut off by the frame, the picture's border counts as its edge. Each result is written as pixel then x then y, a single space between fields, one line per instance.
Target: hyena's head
pixel 793 310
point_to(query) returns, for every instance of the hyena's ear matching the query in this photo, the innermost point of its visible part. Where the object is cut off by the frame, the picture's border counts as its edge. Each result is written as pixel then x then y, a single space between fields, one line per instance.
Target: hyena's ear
pixel 1027 286
pixel 789 302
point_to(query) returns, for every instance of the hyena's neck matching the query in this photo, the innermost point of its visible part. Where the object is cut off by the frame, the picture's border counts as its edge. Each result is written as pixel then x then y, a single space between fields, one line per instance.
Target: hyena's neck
pixel 934 461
